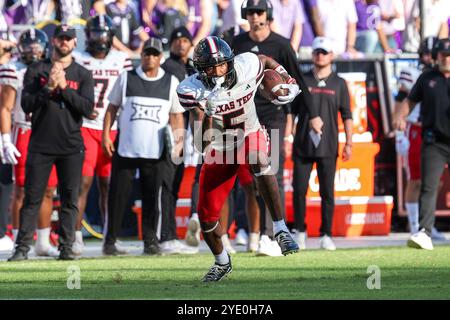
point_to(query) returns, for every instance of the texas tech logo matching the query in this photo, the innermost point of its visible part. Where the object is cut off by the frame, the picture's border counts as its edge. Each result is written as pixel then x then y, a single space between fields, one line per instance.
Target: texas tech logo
pixel 145 112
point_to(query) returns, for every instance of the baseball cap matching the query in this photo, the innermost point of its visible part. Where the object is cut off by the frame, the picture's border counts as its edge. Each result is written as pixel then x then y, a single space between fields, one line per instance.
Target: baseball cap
pixel 180 32
pixel 64 30
pixel 262 5
pixel 443 46
pixel 153 43
pixel 322 43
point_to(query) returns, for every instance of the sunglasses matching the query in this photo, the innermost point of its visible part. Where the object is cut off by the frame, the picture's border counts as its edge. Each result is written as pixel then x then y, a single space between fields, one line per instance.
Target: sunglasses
pixel 252 12
pixel 320 51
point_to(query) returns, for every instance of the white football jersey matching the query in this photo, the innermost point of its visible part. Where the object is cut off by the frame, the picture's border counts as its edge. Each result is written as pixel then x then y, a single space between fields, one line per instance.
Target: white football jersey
pixel 105 73
pixel 408 78
pixel 12 74
pixel 235 107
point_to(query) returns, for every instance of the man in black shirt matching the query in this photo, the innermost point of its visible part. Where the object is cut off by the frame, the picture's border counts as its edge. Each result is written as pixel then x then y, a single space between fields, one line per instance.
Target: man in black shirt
pixel 330 96
pixel 181 66
pixel 432 90
pixel 261 40
pixel 58 92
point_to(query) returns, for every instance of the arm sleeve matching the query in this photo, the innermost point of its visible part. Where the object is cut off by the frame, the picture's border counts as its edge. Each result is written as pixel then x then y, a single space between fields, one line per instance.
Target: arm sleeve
pixel 81 101
pixel 344 103
pixel 416 93
pixel 33 94
pixel 9 76
pixel 186 95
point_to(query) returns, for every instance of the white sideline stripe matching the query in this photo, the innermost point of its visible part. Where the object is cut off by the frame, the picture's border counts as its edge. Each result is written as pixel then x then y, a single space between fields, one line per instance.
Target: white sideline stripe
pixel 186 203
pixel 356 200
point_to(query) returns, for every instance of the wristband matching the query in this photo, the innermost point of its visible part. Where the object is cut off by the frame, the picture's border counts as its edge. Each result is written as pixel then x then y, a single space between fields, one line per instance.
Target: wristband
pixel 6 138
pixel 280 69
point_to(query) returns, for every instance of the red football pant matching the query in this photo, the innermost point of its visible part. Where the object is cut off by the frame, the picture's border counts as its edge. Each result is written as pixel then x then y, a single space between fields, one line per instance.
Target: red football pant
pixel 414 153
pixel 217 179
pixel 22 139
pixel 95 160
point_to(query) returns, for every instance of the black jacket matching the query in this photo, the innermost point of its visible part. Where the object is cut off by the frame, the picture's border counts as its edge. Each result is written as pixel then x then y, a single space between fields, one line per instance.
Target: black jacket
pixel 57 116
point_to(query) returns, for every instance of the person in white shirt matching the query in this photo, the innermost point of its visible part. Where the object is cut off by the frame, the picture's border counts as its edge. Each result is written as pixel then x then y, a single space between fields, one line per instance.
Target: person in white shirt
pixel 339 20
pixel 148 102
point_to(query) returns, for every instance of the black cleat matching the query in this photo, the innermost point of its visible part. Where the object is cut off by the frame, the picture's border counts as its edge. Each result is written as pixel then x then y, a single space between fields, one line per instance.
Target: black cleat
pixel 67 254
pixel 152 250
pixel 218 271
pixel 286 242
pixel 112 250
pixel 18 255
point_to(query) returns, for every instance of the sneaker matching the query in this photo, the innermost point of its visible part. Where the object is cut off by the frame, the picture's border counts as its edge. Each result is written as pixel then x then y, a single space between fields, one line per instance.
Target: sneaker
pixel 184 249
pixel 6 244
pixel 268 247
pixel 218 271
pixel 420 240
pixel 436 235
pixel 327 243
pixel 193 232
pixel 176 247
pixel 78 246
pixel 286 242
pixel 227 244
pixel 301 240
pixel 45 251
pixel 122 248
pixel 241 238
pixel 18 255
pixel 253 242
pixel 168 247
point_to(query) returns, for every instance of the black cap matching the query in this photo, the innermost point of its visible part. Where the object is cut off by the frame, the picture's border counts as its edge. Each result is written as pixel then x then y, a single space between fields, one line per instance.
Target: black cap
pixel 443 46
pixel 180 32
pixel 262 5
pixel 153 43
pixel 64 30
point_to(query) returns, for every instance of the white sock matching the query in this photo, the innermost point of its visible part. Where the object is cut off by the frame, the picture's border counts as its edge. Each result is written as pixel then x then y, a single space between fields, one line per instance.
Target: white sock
pixel 14 233
pixel 222 258
pixel 225 239
pixel 279 226
pixel 194 216
pixel 43 237
pixel 78 236
pixel 412 208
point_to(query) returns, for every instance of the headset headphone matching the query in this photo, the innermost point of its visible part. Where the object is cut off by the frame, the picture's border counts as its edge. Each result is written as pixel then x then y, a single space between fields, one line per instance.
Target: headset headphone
pixel 257 4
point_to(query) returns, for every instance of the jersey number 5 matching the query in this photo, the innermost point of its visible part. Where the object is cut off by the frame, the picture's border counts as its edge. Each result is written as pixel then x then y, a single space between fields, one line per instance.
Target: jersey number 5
pixel 230 121
pixel 101 85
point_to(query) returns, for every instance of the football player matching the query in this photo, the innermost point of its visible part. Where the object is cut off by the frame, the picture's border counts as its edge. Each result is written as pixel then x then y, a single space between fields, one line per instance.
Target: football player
pixel 409 143
pixel 106 65
pixel 32 47
pixel 224 88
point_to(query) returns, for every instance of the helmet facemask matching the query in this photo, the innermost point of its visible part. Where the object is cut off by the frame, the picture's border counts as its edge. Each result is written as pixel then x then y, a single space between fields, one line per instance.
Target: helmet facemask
pixel 99 41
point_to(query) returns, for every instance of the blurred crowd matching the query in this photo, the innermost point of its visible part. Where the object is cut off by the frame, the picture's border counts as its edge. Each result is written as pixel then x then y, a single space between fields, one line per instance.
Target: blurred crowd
pixel 356 27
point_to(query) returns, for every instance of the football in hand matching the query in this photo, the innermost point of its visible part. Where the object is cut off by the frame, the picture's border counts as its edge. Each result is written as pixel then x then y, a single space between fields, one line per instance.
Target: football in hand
pixel 270 80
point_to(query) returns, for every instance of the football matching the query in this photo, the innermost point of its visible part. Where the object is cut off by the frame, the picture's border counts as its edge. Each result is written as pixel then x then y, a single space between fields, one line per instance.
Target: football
pixel 270 80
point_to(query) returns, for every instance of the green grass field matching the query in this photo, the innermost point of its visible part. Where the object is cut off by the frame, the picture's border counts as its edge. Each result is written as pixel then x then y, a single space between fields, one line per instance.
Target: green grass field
pixel 405 274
